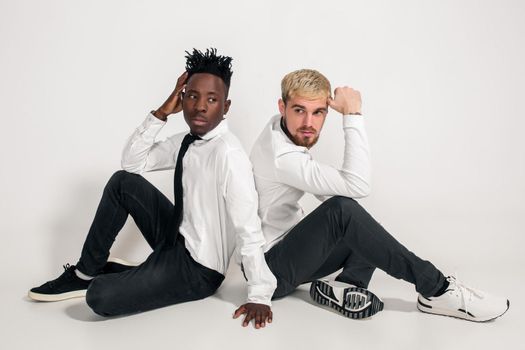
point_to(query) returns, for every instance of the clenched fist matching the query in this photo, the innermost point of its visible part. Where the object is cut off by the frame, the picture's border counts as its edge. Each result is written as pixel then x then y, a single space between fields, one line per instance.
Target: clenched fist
pixel 346 100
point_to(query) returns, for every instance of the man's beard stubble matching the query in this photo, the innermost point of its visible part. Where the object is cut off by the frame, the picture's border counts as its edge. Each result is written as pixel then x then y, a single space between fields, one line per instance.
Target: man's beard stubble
pixel 298 140
pixel 307 142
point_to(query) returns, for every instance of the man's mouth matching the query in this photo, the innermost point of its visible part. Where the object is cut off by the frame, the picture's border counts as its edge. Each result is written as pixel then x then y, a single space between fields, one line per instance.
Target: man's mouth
pixel 199 121
pixel 307 133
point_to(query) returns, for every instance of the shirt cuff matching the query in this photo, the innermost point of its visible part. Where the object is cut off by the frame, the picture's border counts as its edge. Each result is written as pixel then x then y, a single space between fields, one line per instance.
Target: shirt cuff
pixel 352 120
pixel 151 125
pixel 260 295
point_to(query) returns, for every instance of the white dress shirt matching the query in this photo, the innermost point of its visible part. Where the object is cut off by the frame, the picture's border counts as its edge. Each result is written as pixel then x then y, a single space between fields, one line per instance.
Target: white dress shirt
pixel 284 172
pixel 220 201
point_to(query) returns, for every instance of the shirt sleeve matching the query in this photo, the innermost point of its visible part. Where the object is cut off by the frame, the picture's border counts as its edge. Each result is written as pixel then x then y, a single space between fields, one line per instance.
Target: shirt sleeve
pixel 321 198
pixel 141 153
pixel 242 203
pixel 299 170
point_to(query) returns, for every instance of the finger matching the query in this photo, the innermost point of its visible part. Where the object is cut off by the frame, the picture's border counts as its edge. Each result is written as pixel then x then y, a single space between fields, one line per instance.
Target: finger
pixel 241 310
pixel 182 79
pixel 333 104
pixel 183 76
pixel 270 317
pixel 247 319
pixel 178 90
pixel 264 317
pixel 258 320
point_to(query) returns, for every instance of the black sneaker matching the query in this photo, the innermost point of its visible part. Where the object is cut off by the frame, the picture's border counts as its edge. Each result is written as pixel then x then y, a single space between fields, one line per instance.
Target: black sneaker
pixel 348 300
pixel 67 286
pixel 116 265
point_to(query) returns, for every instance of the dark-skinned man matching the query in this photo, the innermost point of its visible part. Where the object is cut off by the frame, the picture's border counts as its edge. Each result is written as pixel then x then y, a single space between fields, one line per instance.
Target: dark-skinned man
pixel 215 210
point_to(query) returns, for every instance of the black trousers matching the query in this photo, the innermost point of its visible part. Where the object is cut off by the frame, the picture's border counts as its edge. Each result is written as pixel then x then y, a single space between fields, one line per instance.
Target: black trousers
pixel 168 276
pixel 341 234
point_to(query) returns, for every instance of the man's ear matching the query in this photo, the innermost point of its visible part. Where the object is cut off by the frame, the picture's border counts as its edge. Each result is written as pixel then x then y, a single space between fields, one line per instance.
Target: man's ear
pixel 227 104
pixel 282 107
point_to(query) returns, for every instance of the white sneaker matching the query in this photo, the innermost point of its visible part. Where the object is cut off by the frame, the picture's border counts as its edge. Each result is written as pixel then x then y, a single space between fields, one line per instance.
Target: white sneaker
pixel 348 300
pixel 464 302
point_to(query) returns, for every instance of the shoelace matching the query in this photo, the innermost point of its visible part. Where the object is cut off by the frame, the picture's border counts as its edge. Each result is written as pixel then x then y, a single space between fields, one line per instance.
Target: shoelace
pixel 465 291
pixel 66 268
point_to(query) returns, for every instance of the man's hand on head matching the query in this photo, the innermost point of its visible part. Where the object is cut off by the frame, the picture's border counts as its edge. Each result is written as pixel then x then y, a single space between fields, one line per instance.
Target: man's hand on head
pixel 260 313
pixel 346 101
pixel 174 102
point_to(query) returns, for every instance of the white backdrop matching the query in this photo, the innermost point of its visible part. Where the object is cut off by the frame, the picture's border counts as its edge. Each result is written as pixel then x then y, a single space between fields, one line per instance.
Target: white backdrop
pixel 442 86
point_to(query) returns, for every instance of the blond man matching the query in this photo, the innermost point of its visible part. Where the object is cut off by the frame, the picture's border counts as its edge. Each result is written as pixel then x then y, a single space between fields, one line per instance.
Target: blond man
pixel 339 234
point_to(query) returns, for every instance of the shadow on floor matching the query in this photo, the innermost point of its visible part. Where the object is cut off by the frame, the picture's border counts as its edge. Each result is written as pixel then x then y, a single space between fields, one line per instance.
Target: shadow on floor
pixel 81 312
pixel 395 304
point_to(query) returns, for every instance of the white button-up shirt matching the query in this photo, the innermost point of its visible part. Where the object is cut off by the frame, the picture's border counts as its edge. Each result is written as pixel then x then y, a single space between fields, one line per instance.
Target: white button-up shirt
pixel 220 201
pixel 284 172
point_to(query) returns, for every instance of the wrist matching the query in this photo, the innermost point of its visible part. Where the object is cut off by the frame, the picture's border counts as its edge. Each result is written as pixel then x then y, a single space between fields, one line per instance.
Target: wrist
pixel 351 113
pixel 160 114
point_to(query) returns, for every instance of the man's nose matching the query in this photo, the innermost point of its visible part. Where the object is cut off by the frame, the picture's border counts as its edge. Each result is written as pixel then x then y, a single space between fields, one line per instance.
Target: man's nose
pixel 307 120
pixel 201 105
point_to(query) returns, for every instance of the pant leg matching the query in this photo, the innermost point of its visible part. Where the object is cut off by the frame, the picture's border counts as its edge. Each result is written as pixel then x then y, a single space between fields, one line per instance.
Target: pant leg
pixel 356 270
pixel 169 276
pixel 125 193
pixel 342 221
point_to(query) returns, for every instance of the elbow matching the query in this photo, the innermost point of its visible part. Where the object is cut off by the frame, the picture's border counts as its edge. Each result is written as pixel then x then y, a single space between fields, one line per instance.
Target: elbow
pixel 361 191
pixel 365 192
pixel 129 167
pixel 357 185
pixel 124 165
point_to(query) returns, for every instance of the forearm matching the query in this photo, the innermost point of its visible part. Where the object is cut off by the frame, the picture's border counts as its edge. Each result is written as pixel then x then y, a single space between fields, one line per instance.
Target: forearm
pixel 356 160
pixel 139 144
pixel 242 203
pixel 261 281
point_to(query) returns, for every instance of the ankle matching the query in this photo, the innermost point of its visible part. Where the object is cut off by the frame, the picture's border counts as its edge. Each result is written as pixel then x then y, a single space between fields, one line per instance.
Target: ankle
pixel 82 275
pixel 442 290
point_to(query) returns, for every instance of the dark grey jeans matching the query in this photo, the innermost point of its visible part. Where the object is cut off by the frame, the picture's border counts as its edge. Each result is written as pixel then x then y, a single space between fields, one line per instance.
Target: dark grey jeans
pixel 341 234
pixel 168 276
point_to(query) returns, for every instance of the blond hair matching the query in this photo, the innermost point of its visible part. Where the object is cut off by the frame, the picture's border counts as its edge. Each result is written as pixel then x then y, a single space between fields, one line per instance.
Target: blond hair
pixel 307 83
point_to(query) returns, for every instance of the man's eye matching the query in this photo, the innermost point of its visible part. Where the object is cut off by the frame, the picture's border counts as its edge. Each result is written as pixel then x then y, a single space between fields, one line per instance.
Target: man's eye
pixel 212 100
pixel 298 110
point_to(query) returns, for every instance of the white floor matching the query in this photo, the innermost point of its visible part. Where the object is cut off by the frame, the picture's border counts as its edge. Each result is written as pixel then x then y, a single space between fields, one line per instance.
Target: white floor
pixel 298 322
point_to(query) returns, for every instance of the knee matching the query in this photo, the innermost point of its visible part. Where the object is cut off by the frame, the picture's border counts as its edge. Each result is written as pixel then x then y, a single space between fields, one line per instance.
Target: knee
pixel 97 297
pixel 116 180
pixel 344 204
pixel 118 176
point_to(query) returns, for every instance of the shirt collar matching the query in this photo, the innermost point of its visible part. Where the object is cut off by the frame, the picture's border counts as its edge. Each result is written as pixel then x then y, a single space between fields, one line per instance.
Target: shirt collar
pixel 288 144
pixel 220 129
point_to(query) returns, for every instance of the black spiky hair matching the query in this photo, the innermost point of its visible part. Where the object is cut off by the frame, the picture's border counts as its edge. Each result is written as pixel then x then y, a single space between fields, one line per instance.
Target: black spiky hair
pixel 209 62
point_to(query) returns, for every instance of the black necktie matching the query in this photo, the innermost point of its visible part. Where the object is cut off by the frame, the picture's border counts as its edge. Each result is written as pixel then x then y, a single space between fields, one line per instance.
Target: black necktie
pixel 177 182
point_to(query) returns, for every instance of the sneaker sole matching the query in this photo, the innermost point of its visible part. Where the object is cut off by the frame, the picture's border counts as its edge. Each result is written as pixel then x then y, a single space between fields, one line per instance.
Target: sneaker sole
pixel 357 303
pixel 57 297
pixel 427 309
